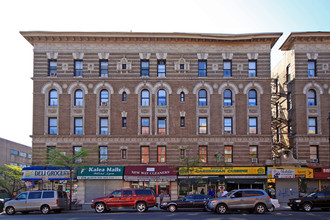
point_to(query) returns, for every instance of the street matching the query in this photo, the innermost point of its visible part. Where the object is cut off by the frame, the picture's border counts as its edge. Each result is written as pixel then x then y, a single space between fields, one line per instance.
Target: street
pixel 184 215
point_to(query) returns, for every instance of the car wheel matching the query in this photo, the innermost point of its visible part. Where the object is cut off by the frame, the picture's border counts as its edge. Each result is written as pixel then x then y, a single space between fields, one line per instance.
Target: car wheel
pixel 272 209
pixel 45 209
pixel 10 210
pixel 172 208
pixel 221 209
pixel 100 207
pixel 260 209
pixel 141 207
pixel 307 207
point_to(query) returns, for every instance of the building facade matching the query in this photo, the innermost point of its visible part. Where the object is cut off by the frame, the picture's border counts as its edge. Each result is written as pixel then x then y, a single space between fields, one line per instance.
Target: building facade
pixel 16 154
pixel 301 107
pixel 153 99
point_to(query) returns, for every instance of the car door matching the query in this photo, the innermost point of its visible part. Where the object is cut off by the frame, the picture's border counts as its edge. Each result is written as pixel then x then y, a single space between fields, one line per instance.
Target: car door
pixel 127 199
pixel 236 200
pixel 187 202
pixel 319 200
pixel 114 199
pixel 20 202
pixel 34 201
pixel 200 201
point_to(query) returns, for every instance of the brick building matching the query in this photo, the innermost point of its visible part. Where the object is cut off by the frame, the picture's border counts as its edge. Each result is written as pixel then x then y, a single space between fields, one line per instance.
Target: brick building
pixel 150 99
pixel 302 106
pixel 16 154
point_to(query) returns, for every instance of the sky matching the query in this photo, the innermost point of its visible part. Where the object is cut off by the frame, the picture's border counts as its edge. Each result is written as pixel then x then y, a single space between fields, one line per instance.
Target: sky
pixel 189 16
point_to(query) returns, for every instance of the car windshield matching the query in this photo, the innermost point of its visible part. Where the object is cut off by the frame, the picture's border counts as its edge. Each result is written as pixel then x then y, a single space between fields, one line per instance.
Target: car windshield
pixel 229 194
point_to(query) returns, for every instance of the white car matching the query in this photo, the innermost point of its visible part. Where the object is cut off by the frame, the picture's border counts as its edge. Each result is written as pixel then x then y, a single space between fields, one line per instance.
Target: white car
pixel 275 205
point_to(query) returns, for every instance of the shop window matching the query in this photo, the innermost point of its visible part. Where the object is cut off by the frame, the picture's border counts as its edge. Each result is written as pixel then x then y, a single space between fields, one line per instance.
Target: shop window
pixel 228 154
pixel 144 154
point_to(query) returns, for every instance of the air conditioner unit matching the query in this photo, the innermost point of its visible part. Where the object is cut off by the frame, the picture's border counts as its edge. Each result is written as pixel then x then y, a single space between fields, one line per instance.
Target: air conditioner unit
pixel 254 160
pixel 104 103
pixel 314 160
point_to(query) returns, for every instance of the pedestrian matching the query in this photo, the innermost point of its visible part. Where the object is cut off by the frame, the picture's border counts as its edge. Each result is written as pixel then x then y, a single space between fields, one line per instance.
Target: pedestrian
pixel 202 191
pixel 211 193
pixel 218 194
pixel 223 191
pixel 161 197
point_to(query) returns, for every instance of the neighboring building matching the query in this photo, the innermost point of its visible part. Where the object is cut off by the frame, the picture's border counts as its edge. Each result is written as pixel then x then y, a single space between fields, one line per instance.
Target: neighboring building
pixel 301 109
pixel 16 154
pixel 151 99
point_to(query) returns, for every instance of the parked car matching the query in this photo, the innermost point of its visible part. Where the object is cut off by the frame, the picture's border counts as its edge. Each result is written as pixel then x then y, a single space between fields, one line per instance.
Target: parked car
pixel 140 199
pixel 275 205
pixel 191 201
pixel 314 200
pixel 254 200
pixel 42 200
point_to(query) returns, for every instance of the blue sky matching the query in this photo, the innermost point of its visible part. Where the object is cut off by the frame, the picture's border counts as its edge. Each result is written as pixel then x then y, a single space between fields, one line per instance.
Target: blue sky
pixel 197 16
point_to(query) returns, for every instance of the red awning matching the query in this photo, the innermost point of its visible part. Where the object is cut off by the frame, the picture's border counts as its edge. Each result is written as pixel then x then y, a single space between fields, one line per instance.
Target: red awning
pixel 150 173
pixel 321 172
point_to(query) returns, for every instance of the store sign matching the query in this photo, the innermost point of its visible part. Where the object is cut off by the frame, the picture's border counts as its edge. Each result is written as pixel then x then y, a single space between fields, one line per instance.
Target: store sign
pixel 278 172
pixel 283 173
pixel 321 173
pixel 100 172
pixel 48 173
pixel 150 173
pixel 222 171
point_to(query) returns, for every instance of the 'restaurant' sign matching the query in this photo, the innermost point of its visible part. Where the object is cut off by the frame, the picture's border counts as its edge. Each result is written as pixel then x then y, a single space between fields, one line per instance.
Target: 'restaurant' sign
pixel 100 172
pixel 150 173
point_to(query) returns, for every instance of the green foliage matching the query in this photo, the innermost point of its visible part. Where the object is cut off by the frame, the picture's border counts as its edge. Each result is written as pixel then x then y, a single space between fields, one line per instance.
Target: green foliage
pixel 11 179
pixel 58 159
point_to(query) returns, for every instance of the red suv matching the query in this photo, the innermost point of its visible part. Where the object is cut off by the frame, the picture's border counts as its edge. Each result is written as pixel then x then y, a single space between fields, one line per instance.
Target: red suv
pixel 140 199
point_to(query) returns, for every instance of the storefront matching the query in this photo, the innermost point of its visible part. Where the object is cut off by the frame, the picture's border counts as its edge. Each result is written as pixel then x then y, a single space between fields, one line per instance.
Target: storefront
pixel 157 178
pixel 98 181
pixel 321 180
pixel 289 182
pixel 214 178
pixel 46 178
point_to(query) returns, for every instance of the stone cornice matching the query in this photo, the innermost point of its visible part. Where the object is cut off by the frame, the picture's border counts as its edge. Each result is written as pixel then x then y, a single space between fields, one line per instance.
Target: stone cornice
pixel 297 37
pixel 43 36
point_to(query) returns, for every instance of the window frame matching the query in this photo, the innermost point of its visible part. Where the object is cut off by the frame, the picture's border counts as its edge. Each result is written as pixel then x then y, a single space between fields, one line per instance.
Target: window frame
pixel 311 99
pixel 159 126
pixel 313 156
pixel 104 126
pixel 309 70
pixel 104 72
pixel 78 128
pixel 201 101
pixel 103 157
pixel 225 126
pixel 312 126
pixel 144 127
pixel 145 100
pixel 160 72
pixel 252 127
pixel 228 155
pixel 161 155
pixel 124 97
pixel 182 97
pixel 252 153
pixel 253 101
pixel 202 70
pixel 104 97
pixel 144 154
pixel 52 69
pixel 78 71
pixel 77 160
pixel 123 154
pixel 202 154
pixel 124 122
pixel 161 98
pixel 78 101
pixel 52 129
pixel 182 122
pixel 227 100
pixel 144 71
pixel 252 72
pixel 227 72
pixel 201 127
pixel 52 100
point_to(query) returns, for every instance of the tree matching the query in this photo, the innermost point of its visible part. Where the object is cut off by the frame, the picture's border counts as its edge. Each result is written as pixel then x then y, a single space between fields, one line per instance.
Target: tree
pixel 71 162
pixel 11 179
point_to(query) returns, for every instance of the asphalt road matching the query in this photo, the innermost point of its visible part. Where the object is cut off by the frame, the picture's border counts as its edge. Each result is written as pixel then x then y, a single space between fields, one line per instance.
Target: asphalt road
pixel 180 215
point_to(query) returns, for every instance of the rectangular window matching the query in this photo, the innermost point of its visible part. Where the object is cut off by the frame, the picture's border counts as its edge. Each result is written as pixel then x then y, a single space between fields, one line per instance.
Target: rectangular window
pixel 161 126
pixel 314 154
pixel 161 154
pixel 182 122
pixel 202 68
pixel 182 153
pixel 104 126
pixel 253 128
pixel 228 154
pixel 23 154
pixel 311 68
pixel 14 152
pixel 161 68
pixel 228 125
pixel 78 126
pixel 253 152
pixel 123 154
pixel 124 122
pixel 144 154
pixel 78 68
pixel 202 154
pixel 144 68
pixel 252 68
pixel 75 152
pixel 104 68
pixel 288 74
pixel 312 125
pixel 30 156
pixel 227 68
pixel 202 125
pixel 52 126
pixel 145 126
pixel 52 67
pixel 103 154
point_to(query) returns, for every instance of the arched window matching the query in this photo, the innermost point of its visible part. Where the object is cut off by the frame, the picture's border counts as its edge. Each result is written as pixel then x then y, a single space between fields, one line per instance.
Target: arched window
pixel 202 97
pixel 227 98
pixel 182 97
pixel 78 98
pixel 124 97
pixel 52 97
pixel 104 97
pixel 252 97
pixel 161 97
pixel 145 98
pixel 311 96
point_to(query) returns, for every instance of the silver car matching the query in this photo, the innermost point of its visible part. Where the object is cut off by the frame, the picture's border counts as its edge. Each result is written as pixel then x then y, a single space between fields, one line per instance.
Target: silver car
pixel 254 200
pixel 43 200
